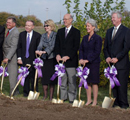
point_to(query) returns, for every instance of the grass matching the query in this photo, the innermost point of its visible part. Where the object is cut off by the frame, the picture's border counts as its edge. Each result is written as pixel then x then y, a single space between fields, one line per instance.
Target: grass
pixel 101 94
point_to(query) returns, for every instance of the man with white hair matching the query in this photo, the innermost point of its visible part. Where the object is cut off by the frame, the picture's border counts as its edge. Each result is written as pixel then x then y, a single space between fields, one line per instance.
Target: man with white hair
pixel 116 48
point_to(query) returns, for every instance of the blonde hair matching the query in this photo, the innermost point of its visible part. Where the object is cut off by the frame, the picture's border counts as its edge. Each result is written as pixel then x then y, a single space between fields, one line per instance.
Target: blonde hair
pixel 51 24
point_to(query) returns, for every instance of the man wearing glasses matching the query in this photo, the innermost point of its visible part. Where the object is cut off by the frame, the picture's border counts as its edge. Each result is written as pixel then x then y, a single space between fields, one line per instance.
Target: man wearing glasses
pixel 66 47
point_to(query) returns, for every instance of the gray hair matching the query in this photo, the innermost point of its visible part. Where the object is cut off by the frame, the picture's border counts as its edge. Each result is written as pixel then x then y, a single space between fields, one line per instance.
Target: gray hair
pixel 119 15
pixel 93 23
pixel 13 18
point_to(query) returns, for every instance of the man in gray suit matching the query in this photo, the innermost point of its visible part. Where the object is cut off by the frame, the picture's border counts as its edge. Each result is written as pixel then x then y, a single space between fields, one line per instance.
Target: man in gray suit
pixel 9 51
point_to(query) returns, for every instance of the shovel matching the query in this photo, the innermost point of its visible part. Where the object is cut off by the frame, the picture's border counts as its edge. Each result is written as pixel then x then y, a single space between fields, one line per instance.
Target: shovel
pixel 79 103
pixel 57 100
pixel 34 94
pixel 108 101
pixel 2 79
pixel 11 96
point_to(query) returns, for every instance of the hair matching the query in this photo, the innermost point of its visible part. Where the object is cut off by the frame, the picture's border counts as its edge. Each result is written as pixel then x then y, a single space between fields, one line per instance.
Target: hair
pixel 93 23
pixel 13 18
pixel 51 24
pixel 119 15
pixel 30 21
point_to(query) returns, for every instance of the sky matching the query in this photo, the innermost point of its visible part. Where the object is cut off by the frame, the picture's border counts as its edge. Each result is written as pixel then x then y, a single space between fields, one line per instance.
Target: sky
pixel 42 9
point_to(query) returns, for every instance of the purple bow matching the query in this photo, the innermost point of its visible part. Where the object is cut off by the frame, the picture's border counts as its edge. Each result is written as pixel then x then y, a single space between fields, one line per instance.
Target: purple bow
pixel 110 73
pixel 5 73
pixel 38 64
pixel 23 72
pixel 83 75
pixel 60 71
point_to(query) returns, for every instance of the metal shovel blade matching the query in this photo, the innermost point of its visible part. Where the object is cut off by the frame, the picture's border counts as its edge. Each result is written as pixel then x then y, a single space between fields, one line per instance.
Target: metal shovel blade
pixel 31 95
pixel 108 102
pixel 81 103
pixel 36 95
pixel 75 103
pixel 57 101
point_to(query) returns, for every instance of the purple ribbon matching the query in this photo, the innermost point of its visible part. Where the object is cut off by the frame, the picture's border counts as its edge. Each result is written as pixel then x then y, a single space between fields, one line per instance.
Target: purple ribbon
pixel 83 75
pixel 23 72
pixel 60 71
pixel 5 73
pixel 38 64
pixel 110 73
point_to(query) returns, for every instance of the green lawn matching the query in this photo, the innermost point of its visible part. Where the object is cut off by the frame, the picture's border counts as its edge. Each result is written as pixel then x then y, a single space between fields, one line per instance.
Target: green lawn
pixel 102 92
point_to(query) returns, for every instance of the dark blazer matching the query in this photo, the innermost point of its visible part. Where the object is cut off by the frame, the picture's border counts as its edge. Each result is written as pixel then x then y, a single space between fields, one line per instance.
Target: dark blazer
pixel 68 46
pixel 21 50
pixel 118 47
pixel 90 50
pixel 2 35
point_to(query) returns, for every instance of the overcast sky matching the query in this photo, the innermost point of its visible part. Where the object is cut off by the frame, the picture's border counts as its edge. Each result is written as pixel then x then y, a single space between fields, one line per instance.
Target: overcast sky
pixel 42 9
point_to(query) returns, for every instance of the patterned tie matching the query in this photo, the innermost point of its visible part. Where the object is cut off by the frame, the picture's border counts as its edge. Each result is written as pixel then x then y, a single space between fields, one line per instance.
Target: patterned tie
pixel 66 32
pixel 27 46
pixel 114 33
pixel 7 33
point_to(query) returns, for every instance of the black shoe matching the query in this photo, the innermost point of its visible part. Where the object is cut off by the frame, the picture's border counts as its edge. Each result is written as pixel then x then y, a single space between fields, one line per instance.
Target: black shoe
pixel 65 100
pixel 25 94
pixel 71 102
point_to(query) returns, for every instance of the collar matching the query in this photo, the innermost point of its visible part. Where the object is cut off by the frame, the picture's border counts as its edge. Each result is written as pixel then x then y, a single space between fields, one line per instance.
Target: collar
pixel 11 29
pixel 69 28
pixel 118 26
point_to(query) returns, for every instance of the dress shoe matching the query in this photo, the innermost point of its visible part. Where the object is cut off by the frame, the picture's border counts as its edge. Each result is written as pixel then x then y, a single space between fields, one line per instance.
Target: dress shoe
pixel 71 102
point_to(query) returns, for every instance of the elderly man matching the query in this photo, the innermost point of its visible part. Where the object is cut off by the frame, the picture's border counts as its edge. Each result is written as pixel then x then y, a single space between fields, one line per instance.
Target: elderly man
pixel 66 47
pixel 116 48
pixel 9 51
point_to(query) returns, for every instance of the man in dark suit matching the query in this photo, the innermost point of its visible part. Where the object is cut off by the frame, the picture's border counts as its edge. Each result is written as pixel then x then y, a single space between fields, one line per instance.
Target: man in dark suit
pixel 2 35
pixel 66 47
pixel 27 45
pixel 116 48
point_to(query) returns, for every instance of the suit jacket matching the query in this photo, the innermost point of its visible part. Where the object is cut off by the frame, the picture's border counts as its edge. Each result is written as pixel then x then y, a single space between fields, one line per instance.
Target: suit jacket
pixel 118 47
pixel 90 50
pixel 10 45
pixel 68 46
pixel 21 50
pixel 48 45
pixel 2 35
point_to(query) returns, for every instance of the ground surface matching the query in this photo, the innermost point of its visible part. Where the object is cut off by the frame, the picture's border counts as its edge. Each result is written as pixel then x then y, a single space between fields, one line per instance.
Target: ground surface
pixel 22 109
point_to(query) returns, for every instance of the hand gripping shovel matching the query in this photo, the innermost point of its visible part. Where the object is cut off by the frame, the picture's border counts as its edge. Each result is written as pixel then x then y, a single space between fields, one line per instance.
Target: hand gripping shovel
pixel 34 94
pixel 57 100
pixel 2 79
pixel 79 103
pixel 108 101
pixel 11 96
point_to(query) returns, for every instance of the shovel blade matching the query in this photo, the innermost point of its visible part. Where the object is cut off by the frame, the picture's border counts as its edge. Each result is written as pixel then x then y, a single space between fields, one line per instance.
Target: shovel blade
pixel 31 95
pixel 54 100
pixel 108 102
pixel 81 103
pixel 36 95
pixel 59 101
pixel 75 103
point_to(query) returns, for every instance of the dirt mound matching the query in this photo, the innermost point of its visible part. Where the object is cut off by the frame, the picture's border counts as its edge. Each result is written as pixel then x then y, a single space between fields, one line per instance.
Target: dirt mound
pixel 22 109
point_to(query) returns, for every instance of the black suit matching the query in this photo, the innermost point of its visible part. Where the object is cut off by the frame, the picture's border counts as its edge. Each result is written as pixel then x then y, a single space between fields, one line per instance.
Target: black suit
pixel 119 48
pixel 21 52
pixel 2 35
pixel 68 47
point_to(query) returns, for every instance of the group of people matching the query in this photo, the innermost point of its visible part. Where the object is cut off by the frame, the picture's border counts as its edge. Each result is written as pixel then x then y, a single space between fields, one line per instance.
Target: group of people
pixel 53 47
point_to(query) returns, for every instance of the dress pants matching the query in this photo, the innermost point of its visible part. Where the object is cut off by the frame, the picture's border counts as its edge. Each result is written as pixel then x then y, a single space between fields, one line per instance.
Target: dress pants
pixel 120 92
pixel 70 75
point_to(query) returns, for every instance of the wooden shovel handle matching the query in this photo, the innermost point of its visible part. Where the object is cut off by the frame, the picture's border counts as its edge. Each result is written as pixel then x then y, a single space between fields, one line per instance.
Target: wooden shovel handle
pixel 58 88
pixel 35 80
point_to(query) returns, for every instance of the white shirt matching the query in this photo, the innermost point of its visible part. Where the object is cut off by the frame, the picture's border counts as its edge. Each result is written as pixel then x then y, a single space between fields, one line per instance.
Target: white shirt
pixel 31 33
pixel 116 29
pixel 68 29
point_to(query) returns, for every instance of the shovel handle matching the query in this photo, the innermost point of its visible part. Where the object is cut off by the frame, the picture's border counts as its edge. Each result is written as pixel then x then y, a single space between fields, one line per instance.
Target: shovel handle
pixel 110 90
pixel 79 93
pixel 58 87
pixel 35 80
pixel 16 86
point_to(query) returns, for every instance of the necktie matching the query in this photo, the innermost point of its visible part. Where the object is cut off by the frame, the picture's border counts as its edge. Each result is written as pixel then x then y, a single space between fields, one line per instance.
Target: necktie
pixel 66 32
pixel 7 33
pixel 27 46
pixel 114 33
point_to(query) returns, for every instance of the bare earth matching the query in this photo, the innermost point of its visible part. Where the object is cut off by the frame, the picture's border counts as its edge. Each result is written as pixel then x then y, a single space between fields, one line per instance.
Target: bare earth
pixel 22 109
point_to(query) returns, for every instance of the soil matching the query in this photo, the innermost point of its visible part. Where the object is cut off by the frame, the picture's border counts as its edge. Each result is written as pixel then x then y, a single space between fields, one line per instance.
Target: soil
pixel 22 109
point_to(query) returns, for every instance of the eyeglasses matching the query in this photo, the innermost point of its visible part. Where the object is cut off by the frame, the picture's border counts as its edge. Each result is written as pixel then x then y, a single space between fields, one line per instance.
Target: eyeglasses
pixel 46 25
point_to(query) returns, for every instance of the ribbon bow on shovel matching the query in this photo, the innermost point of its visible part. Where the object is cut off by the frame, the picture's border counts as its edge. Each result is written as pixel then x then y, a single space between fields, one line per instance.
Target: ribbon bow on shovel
pixel 83 75
pixel 60 71
pixel 23 73
pixel 3 73
pixel 110 73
